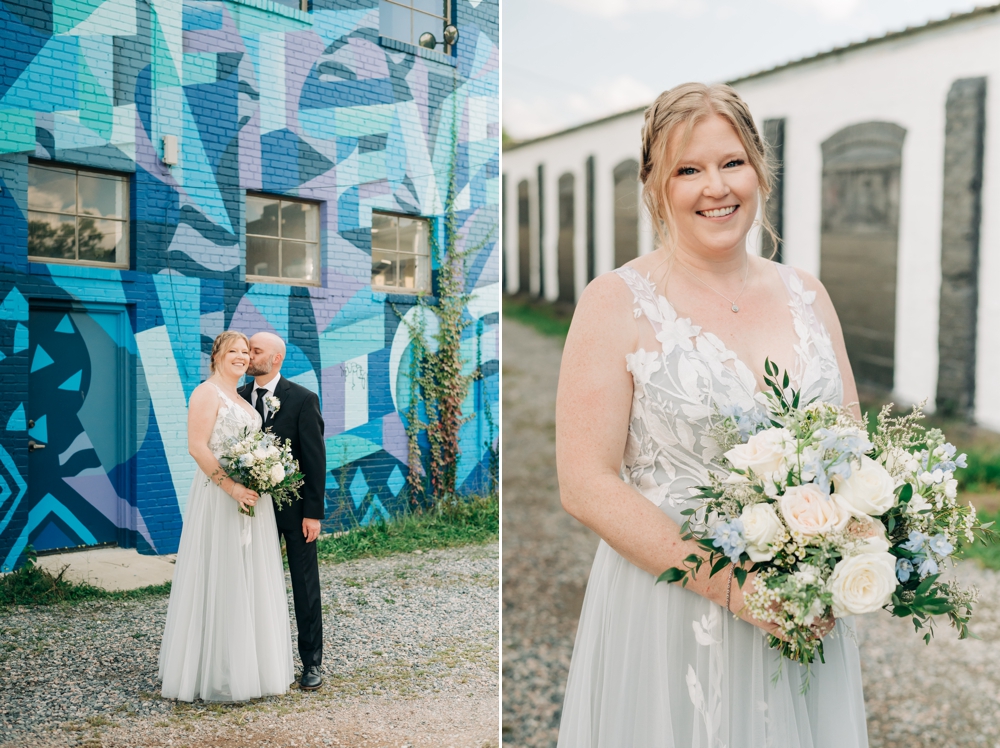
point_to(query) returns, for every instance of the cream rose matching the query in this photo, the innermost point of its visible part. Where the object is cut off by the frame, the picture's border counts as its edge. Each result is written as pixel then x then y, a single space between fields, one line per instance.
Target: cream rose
pixel 869 490
pixel 862 584
pixel 808 510
pixel 277 474
pixel 765 452
pixel 761 526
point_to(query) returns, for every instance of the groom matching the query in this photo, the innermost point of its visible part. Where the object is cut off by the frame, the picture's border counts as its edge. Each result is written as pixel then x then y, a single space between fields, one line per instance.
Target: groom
pixel 292 412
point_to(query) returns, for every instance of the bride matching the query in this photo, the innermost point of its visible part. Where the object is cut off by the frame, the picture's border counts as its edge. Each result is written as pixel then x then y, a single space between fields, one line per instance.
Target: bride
pixel 657 349
pixel 227 636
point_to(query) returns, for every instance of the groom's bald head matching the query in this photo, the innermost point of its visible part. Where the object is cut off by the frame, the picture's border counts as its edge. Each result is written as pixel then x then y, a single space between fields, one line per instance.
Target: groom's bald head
pixel 267 353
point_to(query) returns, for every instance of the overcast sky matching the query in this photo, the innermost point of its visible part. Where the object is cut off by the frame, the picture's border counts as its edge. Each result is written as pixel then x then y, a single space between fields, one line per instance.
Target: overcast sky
pixel 571 61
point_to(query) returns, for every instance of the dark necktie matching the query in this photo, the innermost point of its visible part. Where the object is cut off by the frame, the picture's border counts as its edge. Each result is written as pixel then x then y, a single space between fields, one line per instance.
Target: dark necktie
pixel 261 392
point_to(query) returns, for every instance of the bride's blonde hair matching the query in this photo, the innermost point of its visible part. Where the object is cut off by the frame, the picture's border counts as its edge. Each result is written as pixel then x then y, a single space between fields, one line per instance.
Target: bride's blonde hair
pixel 221 341
pixel 685 105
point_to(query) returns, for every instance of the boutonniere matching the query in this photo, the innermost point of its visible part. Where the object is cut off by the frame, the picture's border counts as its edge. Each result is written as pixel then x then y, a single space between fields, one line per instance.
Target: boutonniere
pixel 273 404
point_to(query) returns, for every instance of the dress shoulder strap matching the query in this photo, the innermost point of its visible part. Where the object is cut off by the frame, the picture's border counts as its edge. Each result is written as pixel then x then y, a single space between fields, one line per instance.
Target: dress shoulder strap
pixel 645 301
pixel 800 300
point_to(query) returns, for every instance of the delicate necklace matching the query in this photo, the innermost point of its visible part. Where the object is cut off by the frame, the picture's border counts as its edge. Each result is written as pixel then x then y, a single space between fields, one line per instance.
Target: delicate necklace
pixel 746 274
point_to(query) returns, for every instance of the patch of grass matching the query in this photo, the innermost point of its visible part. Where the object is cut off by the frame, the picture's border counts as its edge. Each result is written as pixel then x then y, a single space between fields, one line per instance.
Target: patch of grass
pixel 544 316
pixel 32 585
pixel 474 521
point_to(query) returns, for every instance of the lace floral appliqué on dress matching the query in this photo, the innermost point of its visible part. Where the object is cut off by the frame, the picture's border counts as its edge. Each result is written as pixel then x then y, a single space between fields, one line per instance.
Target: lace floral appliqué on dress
pixel 656 665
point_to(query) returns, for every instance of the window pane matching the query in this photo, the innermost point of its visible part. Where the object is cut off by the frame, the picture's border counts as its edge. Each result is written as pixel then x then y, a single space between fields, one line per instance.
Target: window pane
pixel 296 4
pixel 383 268
pixel 383 231
pixel 51 235
pixel 423 22
pixel 413 236
pixel 300 221
pixel 51 189
pixel 300 260
pixel 102 196
pixel 262 217
pixel 431 6
pixel 262 256
pixel 408 271
pixel 99 239
pixel 394 22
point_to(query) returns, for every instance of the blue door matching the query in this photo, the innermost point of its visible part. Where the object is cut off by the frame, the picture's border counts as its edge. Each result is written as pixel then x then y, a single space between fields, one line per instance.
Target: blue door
pixel 78 427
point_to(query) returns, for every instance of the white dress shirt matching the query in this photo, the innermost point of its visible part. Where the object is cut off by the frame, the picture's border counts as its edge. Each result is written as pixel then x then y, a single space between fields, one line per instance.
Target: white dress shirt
pixel 270 391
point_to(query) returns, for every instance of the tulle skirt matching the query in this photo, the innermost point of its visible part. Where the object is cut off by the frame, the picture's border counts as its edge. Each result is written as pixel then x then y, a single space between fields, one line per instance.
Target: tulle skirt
pixel 227 636
pixel 658 666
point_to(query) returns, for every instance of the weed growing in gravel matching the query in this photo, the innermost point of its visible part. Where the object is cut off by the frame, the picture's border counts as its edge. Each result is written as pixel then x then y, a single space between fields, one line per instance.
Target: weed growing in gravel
pixel 32 585
pixel 474 521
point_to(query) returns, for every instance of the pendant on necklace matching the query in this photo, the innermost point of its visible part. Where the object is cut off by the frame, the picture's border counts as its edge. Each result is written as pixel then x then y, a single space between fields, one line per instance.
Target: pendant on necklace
pixel 735 308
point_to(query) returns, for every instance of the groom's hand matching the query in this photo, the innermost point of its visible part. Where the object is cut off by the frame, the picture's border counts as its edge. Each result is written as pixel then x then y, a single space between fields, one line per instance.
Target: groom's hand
pixel 310 529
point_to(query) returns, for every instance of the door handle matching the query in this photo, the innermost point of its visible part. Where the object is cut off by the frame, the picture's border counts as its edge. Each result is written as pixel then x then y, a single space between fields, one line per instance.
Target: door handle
pixel 33 445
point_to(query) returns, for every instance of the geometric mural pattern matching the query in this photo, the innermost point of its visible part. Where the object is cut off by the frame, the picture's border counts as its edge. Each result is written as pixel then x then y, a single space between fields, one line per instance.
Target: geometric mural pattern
pixel 97 364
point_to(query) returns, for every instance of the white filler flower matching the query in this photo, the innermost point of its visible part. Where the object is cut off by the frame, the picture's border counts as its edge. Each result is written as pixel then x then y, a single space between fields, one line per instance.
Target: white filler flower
pixel 862 584
pixel 761 526
pixel 869 490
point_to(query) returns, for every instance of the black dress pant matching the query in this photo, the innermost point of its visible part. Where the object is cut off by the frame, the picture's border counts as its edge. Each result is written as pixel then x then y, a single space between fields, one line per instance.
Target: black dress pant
pixel 303 567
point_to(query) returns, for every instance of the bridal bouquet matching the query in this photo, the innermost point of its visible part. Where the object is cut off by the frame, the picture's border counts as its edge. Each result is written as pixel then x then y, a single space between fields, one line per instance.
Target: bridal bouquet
pixel 263 463
pixel 832 521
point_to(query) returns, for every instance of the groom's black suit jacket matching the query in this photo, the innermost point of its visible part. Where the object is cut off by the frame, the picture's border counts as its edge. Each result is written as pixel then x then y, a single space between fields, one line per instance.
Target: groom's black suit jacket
pixel 299 419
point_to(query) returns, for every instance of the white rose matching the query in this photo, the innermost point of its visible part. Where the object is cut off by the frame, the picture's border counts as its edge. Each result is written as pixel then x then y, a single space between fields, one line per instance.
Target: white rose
pixel 808 510
pixel 869 490
pixel 273 451
pixel 260 453
pixel 862 584
pixel 765 452
pixel 761 525
pixel 277 474
pixel 246 460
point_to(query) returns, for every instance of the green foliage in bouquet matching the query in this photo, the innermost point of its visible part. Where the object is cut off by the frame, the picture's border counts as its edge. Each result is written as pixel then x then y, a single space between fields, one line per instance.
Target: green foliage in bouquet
pixel 263 463
pixel 832 522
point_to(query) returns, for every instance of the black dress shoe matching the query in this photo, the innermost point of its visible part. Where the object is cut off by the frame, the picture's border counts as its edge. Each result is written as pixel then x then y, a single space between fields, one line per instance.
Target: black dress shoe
pixel 311 679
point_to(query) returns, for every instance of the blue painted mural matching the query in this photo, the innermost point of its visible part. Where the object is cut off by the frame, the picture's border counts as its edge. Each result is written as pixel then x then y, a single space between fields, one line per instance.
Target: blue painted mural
pixel 97 362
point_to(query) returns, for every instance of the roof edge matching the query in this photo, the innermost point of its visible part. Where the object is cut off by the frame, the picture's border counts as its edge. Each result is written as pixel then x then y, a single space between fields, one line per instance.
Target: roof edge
pixel 835 52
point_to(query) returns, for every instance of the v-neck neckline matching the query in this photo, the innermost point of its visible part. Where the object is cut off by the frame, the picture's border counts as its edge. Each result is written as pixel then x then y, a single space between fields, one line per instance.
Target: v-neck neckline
pixel 726 350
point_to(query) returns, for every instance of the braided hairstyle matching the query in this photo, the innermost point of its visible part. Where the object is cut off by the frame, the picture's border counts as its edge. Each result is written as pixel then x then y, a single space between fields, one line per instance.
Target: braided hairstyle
pixel 685 105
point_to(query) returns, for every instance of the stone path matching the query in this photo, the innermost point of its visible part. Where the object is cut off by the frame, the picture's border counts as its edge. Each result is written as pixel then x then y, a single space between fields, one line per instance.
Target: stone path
pixel 917 696
pixel 411 658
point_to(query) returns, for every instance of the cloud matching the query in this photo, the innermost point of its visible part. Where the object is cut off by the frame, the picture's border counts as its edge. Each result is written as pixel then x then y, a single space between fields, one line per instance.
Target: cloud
pixel 618 8
pixel 833 10
pixel 541 113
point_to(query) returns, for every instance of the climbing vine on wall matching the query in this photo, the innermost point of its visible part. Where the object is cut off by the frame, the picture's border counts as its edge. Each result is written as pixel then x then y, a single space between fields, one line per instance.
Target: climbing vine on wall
pixel 438 385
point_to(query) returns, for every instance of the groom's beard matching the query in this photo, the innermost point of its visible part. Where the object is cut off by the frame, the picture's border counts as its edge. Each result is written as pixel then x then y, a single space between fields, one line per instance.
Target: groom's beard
pixel 258 371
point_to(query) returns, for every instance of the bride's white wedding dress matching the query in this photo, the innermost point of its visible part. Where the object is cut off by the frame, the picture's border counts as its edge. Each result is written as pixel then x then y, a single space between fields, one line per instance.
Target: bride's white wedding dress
pixel 658 666
pixel 227 636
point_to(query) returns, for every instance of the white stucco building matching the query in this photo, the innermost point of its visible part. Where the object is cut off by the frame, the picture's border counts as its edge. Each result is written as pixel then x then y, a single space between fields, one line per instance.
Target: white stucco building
pixel 889 152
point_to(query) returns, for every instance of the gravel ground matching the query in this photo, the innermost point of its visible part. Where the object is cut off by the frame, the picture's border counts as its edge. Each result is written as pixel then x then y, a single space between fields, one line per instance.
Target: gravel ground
pixel 946 694
pixel 410 659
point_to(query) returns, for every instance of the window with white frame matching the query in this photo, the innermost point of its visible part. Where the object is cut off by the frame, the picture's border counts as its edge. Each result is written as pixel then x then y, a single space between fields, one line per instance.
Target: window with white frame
pixel 401 255
pixel 282 240
pixel 406 20
pixel 77 216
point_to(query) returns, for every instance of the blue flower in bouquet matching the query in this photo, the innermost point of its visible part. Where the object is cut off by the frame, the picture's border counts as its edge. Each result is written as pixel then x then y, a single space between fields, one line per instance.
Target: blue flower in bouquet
pixel 745 422
pixel 961 461
pixel 940 545
pixel 904 567
pixel 916 542
pixel 728 536
pixel 927 566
